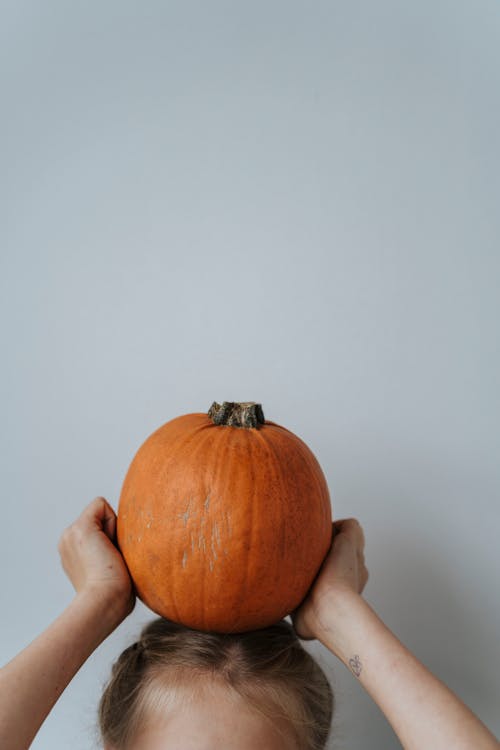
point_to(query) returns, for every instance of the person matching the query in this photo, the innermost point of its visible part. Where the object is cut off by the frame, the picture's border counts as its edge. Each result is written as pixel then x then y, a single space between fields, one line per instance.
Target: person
pixel 180 688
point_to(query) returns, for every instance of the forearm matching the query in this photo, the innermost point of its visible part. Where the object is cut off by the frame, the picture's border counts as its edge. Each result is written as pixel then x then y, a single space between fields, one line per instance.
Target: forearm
pixel 31 683
pixel 421 709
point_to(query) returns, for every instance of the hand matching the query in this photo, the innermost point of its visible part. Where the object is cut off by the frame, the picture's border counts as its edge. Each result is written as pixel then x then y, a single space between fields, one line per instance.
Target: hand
pixel 343 572
pixel 93 563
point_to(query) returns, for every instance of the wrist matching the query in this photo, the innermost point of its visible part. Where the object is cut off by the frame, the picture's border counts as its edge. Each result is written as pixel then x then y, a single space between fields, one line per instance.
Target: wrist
pixel 108 609
pixel 337 619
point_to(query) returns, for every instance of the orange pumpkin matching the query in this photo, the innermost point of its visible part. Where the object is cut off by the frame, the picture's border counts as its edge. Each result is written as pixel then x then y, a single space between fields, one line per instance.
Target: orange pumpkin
pixel 224 519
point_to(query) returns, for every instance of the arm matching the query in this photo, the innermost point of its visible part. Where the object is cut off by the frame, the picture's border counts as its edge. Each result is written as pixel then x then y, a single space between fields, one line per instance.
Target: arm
pixel 421 709
pixel 31 683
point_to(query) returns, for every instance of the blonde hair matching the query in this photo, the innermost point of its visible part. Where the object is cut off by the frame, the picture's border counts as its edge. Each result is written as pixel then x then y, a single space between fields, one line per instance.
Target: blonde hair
pixel 268 667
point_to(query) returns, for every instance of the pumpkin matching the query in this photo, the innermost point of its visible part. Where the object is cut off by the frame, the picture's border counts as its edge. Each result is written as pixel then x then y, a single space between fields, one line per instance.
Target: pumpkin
pixel 224 519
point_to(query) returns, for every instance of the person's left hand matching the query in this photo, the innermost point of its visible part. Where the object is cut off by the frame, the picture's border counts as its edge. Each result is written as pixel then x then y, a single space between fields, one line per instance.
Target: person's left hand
pixel 342 573
pixel 93 563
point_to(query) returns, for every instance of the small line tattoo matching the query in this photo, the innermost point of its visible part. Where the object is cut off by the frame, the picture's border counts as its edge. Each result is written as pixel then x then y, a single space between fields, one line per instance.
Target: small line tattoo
pixel 356 665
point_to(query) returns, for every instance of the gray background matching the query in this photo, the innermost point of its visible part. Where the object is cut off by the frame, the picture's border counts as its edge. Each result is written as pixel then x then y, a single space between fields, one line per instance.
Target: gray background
pixel 286 202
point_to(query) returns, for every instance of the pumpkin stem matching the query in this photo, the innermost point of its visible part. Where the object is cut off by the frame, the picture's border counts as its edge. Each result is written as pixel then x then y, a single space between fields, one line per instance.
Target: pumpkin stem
pixel 237 413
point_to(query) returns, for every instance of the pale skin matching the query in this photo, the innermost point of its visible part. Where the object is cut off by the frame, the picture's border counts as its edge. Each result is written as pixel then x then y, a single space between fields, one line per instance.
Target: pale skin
pixel 423 712
pixel 215 721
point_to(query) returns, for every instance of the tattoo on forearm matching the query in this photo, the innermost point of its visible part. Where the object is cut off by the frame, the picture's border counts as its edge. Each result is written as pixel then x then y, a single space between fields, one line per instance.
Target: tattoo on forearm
pixel 356 665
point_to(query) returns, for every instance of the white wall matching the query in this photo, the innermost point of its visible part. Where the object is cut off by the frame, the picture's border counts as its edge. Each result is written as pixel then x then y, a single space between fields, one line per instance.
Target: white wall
pixel 287 202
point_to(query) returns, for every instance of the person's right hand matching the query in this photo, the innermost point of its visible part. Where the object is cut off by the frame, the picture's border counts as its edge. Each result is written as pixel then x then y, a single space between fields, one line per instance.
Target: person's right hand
pixel 92 561
pixel 343 572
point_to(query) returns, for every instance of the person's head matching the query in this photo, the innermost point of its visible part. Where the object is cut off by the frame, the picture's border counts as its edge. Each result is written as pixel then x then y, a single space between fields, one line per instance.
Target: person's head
pixel 182 689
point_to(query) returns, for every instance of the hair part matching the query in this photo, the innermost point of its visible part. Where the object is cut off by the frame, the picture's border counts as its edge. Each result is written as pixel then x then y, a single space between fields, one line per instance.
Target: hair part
pixel 269 668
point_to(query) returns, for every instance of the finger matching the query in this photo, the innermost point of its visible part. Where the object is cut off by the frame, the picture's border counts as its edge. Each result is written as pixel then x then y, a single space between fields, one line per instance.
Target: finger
pixel 338 527
pixel 342 524
pixel 99 514
pixel 352 528
pixel 109 526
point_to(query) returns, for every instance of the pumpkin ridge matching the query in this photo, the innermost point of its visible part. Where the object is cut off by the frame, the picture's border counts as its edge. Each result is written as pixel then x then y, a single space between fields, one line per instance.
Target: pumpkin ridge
pixel 179 445
pixel 178 580
pixel 281 481
pixel 266 442
pixel 304 457
pixel 244 587
pixel 220 449
pixel 225 482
